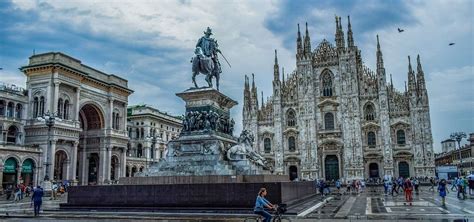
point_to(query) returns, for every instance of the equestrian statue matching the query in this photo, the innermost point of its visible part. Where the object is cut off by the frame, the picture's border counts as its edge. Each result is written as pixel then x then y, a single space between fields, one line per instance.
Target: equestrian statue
pixel 206 60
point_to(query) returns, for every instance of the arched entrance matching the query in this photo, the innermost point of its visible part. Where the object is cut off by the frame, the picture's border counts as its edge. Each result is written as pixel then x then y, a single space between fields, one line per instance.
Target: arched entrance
pixel 403 169
pixel 60 165
pixel 114 164
pixel 127 173
pixel 331 167
pixel 92 123
pixel 9 172
pixel 293 173
pixel 93 169
pixel 374 170
pixel 27 171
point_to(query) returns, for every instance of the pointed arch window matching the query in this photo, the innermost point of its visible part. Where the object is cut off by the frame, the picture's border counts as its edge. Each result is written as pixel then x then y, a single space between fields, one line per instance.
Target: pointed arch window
pixel 291 118
pixel 326 84
pixel 369 112
pixel 329 121
pixel 401 137
pixel 267 145
pixel 371 139
pixel 139 150
pixel 291 144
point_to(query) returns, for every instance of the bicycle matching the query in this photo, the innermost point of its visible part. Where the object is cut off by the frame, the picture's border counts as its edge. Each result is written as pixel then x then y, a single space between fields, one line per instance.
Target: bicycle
pixel 277 215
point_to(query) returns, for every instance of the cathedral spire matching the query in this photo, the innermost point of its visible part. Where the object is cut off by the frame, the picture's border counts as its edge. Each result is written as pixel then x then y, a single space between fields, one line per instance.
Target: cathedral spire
pixel 420 76
pixel 339 34
pixel 283 74
pixel 253 82
pixel 299 44
pixel 350 39
pixel 411 78
pixel 379 55
pixel 262 100
pixel 307 41
pixel 276 68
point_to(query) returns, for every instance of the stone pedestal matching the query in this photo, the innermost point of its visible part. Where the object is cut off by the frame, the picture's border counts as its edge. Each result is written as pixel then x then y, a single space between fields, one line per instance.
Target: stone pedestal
pixel 206 136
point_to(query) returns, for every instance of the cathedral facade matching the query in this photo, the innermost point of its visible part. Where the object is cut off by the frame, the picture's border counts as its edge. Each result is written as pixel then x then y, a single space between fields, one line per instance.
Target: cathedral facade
pixel 333 117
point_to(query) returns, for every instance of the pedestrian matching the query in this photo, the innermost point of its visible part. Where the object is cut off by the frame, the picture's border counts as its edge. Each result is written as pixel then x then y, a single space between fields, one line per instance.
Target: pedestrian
pixel 54 191
pixel 362 185
pixel 338 186
pixel 442 191
pixel 348 185
pixel 17 193
pixel 417 184
pixel 464 187
pixel 394 187
pixel 37 199
pixel 322 184
pixel 459 185
pixel 471 184
pixel 432 182
pixel 326 190
pixel 408 188
pixel 261 203
pixel 454 184
pixel 9 191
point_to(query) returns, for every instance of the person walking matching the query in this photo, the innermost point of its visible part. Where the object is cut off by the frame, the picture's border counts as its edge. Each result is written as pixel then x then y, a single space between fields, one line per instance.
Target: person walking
pixel 394 187
pixel 459 185
pixel 454 184
pixel 408 188
pixel 416 183
pixel 37 199
pixel 442 191
pixel 338 186
pixel 17 193
pixel 261 203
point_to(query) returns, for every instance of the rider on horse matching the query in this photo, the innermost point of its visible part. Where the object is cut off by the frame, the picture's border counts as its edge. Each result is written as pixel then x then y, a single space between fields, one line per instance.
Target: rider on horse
pixel 206 60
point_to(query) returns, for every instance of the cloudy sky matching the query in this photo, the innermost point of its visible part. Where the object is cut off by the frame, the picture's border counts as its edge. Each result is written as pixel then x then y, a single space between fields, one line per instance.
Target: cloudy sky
pixel 150 43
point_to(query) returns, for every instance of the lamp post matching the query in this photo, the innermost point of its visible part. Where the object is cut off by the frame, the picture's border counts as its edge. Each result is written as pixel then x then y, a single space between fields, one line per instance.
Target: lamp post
pixel 49 118
pixel 458 137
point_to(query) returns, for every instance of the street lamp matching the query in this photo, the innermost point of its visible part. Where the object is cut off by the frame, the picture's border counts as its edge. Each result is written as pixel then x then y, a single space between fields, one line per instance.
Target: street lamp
pixel 458 137
pixel 49 118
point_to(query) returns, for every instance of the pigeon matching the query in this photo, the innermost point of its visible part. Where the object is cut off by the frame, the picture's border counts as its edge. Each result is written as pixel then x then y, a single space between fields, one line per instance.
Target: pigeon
pixel 400 30
pixel 452 43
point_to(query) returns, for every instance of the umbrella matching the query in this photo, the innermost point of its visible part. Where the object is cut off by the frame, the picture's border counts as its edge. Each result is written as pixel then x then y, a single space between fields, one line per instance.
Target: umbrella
pixel 471 177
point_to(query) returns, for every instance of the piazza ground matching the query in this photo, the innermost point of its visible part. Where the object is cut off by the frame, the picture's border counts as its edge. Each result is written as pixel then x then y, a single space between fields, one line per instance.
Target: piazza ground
pixel 370 205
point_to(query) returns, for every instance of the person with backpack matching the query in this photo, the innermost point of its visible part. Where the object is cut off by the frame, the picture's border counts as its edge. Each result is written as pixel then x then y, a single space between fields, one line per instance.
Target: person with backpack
pixel 408 188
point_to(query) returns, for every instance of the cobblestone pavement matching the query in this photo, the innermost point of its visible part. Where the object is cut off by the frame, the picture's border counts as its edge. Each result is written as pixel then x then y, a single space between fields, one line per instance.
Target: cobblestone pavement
pixel 370 205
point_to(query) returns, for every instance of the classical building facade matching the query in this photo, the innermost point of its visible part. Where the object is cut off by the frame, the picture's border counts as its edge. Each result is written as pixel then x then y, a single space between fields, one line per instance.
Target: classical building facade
pixel 333 117
pixel 462 158
pixel 448 145
pixel 17 162
pixel 88 137
pixel 149 131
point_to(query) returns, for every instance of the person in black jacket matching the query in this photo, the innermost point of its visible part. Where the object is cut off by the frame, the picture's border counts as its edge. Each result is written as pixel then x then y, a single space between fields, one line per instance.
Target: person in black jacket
pixel 37 199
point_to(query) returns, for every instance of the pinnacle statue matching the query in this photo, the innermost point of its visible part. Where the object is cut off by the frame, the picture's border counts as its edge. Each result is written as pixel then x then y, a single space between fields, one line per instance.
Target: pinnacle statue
pixel 206 60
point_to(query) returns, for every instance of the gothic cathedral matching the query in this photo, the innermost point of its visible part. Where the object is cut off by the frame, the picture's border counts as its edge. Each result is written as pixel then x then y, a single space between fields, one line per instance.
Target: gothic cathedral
pixel 334 118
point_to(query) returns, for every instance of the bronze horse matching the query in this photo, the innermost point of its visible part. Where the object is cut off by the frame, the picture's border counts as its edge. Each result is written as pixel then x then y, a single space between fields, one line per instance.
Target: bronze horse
pixel 206 66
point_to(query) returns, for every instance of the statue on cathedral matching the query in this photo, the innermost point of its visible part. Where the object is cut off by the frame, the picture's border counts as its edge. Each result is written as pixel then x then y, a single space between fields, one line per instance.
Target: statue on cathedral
pixel 206 60
pixel 244 149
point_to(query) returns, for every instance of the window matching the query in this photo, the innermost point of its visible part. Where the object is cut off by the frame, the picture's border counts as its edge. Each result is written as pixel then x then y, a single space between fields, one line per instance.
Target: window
pixel 66 109
pixel 371 140
pixel 329 121
pixel 142 133
pixel 41 106
pixel 60 107
pixel 137 133
pixel 326 84
pixel 291 144
pixel 10 109
pixel 400 137
pixel 139 150
pixel 2 108
pixel 35 107
pixel 19 109
pixel 291 118
pixel 369 112
pixel 267 145
pixel 11 134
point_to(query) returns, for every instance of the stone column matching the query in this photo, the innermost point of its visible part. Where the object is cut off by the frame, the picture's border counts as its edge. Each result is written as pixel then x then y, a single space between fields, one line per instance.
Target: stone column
pixel 110 117
pixel 18 173
pixel 109 163
pixel 102 165
pixel 1 177
pixel 124 118
pixel 52 160
pixel 84 164
pixel 78 98
pixel 55 96
pixel 123 162
pixel 74 162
